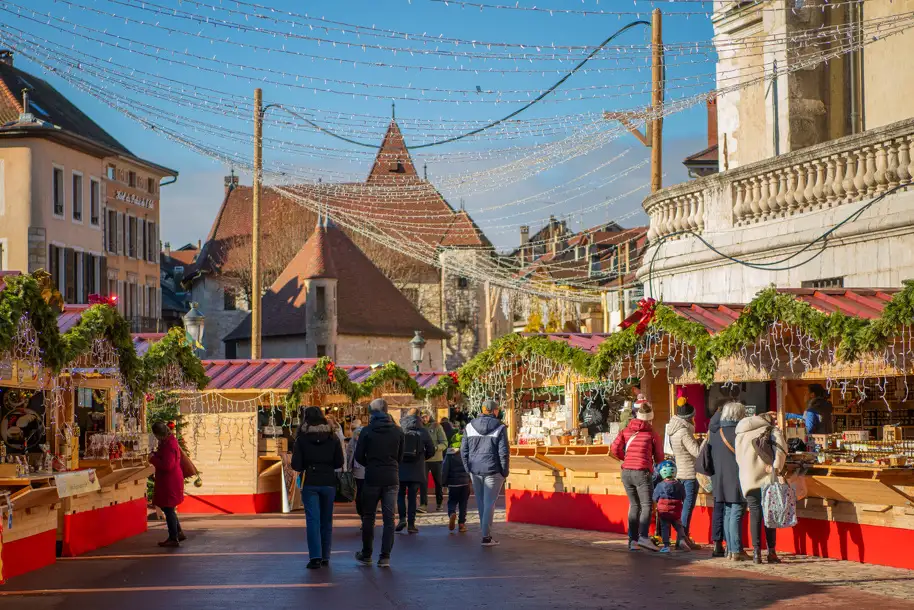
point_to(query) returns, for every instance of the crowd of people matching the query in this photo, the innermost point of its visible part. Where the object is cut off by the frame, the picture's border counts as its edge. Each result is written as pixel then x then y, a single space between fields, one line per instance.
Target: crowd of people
pixel 741 453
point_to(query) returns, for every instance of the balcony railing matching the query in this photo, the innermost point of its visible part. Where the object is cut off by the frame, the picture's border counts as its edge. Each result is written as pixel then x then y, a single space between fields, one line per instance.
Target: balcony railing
pixel 842 171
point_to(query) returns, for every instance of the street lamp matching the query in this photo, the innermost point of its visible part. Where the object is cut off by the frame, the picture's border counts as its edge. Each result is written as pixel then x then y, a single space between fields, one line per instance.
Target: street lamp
pixel 194 322
pixel 417 346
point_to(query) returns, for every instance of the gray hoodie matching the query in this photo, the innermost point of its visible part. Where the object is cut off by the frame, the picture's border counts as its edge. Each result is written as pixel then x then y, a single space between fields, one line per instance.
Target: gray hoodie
pixel 685 446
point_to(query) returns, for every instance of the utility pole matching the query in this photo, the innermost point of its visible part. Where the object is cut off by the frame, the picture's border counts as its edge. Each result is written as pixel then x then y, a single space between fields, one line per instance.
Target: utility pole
pixel 256 291
pixel 657 101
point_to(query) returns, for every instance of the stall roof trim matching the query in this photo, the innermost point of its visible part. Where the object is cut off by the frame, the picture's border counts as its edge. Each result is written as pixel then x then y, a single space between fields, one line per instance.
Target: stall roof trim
pixel 281 373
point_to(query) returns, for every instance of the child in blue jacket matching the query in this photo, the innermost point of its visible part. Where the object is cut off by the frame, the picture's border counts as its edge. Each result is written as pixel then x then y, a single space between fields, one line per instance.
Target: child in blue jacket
pixel 454 476
pixel 669 494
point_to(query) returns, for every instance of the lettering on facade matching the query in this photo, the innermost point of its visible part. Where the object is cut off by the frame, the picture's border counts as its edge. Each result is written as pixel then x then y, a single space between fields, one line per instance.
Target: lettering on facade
pixel 144 202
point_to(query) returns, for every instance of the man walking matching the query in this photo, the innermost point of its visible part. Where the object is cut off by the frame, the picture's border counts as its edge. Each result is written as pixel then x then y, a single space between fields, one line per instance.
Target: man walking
pixel 380 451
pixel 417 448
pixel 484 451
pixel 433 464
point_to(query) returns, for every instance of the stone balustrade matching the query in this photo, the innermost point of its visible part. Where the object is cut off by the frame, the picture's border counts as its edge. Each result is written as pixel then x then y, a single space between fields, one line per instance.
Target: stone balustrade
pixel 846 170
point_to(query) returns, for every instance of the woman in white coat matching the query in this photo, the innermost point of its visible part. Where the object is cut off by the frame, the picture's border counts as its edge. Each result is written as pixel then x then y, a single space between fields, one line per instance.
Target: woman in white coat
pixel 754 473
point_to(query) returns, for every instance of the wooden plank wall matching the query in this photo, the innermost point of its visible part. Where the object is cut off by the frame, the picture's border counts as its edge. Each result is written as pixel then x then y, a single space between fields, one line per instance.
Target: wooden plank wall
pixel 223 446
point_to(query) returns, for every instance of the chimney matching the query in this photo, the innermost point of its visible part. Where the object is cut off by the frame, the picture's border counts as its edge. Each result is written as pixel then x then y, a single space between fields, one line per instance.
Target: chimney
pixel 231 181
pixel 712 121
pixel 524 234
pixel 167 248
pixel 6 57
pixel 199 244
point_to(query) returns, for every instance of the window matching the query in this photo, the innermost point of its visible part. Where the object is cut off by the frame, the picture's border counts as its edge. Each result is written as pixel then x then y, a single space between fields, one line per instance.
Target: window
pixel 152 246
pixel 321 351
pixel 58 191
pixel 320 306
pixel 94 202
pixel 228 300
pixel 153 303
pixel 151 185
pixel 832 282
pixel 131 237
pixel 77 197
pixel 131 179
pixel 111 172
pixel 111 229
pixel 463 282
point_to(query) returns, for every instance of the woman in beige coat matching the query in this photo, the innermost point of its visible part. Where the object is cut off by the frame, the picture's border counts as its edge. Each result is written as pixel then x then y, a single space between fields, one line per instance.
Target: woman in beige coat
pixel 754 473
pixel 685 449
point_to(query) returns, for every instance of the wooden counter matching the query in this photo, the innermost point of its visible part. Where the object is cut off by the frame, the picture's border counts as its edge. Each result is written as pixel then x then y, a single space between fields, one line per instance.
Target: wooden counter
pixel 32 541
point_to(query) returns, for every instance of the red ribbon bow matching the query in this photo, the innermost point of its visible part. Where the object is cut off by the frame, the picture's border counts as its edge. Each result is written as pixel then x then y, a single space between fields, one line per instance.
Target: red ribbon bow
pixel 453 376
pixel 330 372
pixel 646 309
pixel 98 299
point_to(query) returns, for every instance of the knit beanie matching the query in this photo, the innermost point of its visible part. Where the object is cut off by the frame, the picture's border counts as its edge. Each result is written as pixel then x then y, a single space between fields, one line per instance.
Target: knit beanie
pixel 489 406
pixel 645 411
pixel 684 409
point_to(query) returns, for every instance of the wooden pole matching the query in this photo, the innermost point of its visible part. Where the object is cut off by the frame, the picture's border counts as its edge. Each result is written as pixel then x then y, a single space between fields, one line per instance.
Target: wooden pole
pixel 488 313
pixel 256 290
pixel 656 101
pixel 605 307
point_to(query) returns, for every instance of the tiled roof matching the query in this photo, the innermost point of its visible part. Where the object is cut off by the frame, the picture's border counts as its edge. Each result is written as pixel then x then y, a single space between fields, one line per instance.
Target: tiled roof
pixel 367 302
pixel 48 104
pixel 143 341
pixel 708 155
pixel 585 341
pixel 70 317
pixel 564 264
pixel 393 164
pixel 279 374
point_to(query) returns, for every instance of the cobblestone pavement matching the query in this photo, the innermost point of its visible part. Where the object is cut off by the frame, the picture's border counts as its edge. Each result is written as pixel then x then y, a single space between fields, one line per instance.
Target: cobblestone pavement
pixel 242 562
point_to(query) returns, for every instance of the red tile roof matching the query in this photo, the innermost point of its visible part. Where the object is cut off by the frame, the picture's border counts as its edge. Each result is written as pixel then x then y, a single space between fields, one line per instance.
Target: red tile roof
pixel 143 341
pixel 393 164
pixel 280 374
pixel 367 302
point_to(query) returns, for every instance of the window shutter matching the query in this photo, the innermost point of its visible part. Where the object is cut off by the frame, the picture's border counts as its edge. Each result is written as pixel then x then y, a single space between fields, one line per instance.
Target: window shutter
pixel 119 231
pixel 102 280
pixel 70 264
pixel 141 241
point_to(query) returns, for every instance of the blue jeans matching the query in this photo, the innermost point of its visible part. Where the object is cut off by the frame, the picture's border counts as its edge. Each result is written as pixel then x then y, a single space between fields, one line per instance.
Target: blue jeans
pixel 318 502
pixel 665 530
pixel 717 523
pixel 688 505
pixel 733 521
pixel 487 488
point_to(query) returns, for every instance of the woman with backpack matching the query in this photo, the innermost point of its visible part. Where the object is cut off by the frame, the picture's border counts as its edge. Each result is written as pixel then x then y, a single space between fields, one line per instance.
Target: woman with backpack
pixel 639 448
pixel 760 447
pixel 417 447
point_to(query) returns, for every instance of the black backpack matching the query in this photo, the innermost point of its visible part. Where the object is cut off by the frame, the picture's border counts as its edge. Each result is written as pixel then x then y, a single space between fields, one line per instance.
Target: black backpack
pixel 412 444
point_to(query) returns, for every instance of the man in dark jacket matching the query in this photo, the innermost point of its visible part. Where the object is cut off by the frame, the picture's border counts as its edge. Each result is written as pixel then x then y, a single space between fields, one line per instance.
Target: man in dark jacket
pixel 484 451
pixel 417 447
pixel 380 451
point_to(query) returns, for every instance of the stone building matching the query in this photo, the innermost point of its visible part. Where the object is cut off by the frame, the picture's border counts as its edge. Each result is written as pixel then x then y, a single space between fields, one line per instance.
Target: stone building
pixel 814 164
pixel 445 293
pixel 75 201
pixel 332 301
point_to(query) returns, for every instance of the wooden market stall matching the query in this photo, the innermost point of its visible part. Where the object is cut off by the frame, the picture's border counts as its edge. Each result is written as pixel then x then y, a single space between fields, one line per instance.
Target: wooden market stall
pixel 73 446
pixel 239 431
pixel 860 492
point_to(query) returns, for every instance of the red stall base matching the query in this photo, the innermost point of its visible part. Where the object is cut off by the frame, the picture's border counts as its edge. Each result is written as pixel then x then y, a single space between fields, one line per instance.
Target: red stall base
pixel 29 554
pixel 241 504
pixel 94 529
pixel 816 537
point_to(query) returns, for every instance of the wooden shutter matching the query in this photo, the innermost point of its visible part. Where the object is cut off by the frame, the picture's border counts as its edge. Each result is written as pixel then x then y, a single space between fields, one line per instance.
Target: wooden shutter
pixel 70 268
pixel 140 239
pixel 103 276
pixel 119 228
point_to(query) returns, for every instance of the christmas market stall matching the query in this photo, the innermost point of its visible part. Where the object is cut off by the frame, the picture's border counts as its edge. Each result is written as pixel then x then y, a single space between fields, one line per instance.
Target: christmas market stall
pixel 240 429
pixel 74 447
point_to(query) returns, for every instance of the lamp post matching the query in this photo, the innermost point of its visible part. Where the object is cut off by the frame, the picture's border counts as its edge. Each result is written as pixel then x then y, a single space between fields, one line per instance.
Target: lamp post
pixel 417 346
pixel 194 322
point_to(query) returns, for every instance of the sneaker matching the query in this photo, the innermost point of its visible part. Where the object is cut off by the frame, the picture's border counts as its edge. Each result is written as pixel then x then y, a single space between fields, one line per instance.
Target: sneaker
pixel 462 528
pixel 170 544
pixel 383 562
pixel 325 562
pixel 412 529
pixel 452 522
pixel 362 558
pixel 666 549
pixel 314 564
pixel 633 545
pixel 647 543
pixel 422 508
pixel 489 541
pixel 400 527
pixel 181 536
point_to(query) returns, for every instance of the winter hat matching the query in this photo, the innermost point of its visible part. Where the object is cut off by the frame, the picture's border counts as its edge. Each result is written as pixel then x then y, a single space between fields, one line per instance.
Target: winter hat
pixel 489 406
pixel 667 469
pixel 684 409
pixel 645 411
pixel 378 404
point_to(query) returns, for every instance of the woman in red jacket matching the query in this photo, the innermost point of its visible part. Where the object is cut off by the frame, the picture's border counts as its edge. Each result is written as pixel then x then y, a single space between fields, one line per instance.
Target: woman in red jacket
pixel 169 482
pixel 639 448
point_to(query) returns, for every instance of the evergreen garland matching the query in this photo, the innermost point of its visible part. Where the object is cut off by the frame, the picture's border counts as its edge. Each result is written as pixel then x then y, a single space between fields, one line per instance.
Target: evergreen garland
pixel 852 336
pixel 33 296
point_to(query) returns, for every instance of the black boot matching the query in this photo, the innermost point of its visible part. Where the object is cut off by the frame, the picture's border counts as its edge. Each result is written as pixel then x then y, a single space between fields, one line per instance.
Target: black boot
pixel 719 549
pixel 756 556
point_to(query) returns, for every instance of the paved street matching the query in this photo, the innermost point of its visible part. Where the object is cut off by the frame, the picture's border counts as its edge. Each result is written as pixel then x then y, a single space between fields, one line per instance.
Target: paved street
pixel 248 562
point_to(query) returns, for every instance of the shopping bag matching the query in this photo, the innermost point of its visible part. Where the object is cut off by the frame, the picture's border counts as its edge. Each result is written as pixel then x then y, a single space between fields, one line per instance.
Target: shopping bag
pixel 705 482
pixel 187 466
pixel 345 486
pixel 704 464
pixel 779 504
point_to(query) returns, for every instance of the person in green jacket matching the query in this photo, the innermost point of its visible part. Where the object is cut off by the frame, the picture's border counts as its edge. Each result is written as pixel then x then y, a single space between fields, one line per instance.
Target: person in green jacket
pixel 433 464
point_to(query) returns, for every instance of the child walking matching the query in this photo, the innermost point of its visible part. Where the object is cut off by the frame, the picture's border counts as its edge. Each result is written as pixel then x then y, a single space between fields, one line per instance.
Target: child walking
pixel 669 494
pixel 455 477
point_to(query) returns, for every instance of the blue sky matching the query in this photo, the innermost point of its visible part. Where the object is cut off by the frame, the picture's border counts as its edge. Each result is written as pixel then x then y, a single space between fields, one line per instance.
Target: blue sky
pixel 212 59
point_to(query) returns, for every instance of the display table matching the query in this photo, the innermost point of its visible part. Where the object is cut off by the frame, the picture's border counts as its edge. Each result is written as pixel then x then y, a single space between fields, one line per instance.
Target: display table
pixel 116 511
pixel 31 542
